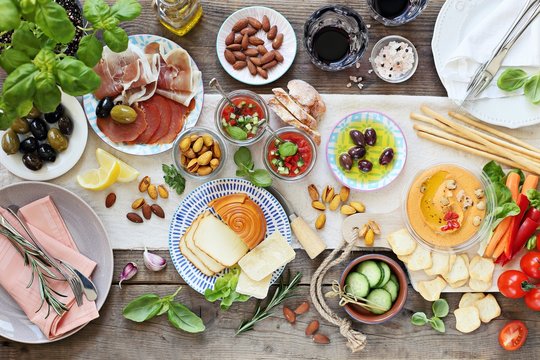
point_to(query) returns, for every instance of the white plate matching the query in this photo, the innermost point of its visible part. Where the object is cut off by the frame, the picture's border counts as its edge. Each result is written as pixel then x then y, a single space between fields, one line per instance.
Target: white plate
pixel 64 160
pixel 288 49
pixel 81 221
pixel 90 104
pixel 455 19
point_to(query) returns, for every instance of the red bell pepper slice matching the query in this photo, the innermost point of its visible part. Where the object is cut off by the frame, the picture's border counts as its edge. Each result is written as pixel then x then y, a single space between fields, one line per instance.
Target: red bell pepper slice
pixel 523 203
pixel 526 230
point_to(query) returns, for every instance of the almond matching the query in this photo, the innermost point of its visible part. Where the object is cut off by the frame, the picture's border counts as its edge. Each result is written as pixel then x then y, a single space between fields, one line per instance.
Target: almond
pixel 163 192
pixel 144 184
pixel 261 50
pixel 313 192
pixel 152 192
pixel 265 23
pixel 289 315
pixel 248 31
pixel 238 38
pixel 344 193
pixel 240 24
pixel 321 339
pixel 256 61
pixel 137 203
pixel 262 72
pixel 229 39
pixel 110 200
pixel 251 67
pixel 312 328
pixel 271 35
pixel 229 56
pixel 254 40
pixel 235 47
pixel 147 211
pixel 239 65
pixel 270 65
pixel 245 41
pixel 239 55
pixel 302 308
pixel 134 217
pixel 158 210
pixel 251 52
pixel 276 44
pixel 255 23
pixel 266 58
pixel 278 56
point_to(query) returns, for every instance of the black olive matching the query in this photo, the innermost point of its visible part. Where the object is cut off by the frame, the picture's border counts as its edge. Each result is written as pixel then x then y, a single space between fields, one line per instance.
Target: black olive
pixel 357 137
pixel 54 116
pixel 345 161
pixel 39 129
pixel 28 145
pixel 387 156
pixel 104 107
pixel 357 152
pixel 46 152
pixel 371 136
pixel 32 161
pixel 65 125
pixel 365 165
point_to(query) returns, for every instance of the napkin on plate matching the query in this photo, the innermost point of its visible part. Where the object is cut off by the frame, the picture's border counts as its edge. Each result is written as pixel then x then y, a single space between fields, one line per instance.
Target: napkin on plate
pixel 478 44
pixel 49 229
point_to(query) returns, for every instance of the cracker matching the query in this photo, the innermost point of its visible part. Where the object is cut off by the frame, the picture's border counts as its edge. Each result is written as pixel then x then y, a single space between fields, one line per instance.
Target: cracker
pixel 488 308
pixel 431 290
pixel 467 319
pixel 440 264
pixel 481 269
pixel 468 299
pixel 420 259
pixel 401 242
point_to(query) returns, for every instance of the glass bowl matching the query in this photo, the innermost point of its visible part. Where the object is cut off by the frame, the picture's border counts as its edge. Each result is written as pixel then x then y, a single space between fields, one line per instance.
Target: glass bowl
pixel 412 11
pixel 234 95
pixel 377 49
pixel 177 158
pixel 475 238
pixel 270 141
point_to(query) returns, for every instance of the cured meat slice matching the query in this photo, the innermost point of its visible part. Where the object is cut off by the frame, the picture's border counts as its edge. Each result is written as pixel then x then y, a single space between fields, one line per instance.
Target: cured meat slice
pixel 123 132
pixel 153 120
pixel 179 115
pixel 165 118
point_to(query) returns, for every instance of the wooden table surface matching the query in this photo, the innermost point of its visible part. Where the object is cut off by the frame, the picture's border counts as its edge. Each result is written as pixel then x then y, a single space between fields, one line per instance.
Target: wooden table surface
pixel 111 336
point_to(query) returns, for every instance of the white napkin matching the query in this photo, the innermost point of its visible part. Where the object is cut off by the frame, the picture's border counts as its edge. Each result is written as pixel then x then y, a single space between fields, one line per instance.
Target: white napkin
pixel 479 42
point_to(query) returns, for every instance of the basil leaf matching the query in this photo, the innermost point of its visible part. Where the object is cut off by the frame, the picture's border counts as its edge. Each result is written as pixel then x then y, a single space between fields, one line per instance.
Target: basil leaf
pixel 24 40
pixel 184 319
pixel 419 319
pixel 125 10
pixel 90 50
pixel 47 95
pixel 164 308
pixel 142 308
pixel 287 148
pixel 440 308
pixel 11 17
pixel 23 108
pixel 116 39
pixel 512 79
pixel 236 133
pixel 96 10
pixel 52 19
pixel 260 178
pixel 437 324
pixel 75 77
pixel 532 89
pixel 20 85
pixel 494 172
pixel 242 172
pixel 28 8
pixel 10 59
pixel 242 156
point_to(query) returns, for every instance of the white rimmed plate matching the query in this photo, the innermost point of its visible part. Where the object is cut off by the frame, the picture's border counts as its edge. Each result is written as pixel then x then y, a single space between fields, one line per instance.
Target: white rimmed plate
pixel 288 49
pixel 197 202
pixel 90 103
pixel 64 160
pixel 88 233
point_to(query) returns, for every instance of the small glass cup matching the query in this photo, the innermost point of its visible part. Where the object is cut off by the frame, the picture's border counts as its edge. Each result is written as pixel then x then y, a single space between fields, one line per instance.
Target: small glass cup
pixel 179 16
pixel 411 10
pixel 377 49
pixel 345 19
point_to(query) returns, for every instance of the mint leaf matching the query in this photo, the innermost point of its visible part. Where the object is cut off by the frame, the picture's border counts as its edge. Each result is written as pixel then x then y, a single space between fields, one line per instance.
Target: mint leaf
pixel 287 148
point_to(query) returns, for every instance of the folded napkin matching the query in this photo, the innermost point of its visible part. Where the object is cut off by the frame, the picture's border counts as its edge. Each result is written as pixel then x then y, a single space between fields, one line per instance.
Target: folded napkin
pixel 49 229
pixel 480 41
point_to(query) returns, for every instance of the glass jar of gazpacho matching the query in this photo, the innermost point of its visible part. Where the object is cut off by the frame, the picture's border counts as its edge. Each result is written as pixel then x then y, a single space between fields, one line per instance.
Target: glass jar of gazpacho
pixel 245 123
pixel 290 159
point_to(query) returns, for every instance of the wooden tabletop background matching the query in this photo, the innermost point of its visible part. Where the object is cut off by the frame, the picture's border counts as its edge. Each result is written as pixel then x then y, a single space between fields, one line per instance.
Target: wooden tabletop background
pixel 113 337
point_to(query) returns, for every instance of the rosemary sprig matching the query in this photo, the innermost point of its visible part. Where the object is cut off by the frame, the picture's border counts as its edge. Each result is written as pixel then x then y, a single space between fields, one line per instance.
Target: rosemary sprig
pixel 41 269
pixel 283 292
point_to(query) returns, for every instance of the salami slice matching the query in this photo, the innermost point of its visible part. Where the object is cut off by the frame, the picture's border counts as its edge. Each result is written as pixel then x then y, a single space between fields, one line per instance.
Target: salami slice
pixel 179 115
pixel 165 118
pixel 152 119
pixel 123 132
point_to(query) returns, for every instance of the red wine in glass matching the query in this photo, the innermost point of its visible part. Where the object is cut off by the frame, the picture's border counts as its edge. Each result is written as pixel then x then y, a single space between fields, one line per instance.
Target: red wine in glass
pixel 390 9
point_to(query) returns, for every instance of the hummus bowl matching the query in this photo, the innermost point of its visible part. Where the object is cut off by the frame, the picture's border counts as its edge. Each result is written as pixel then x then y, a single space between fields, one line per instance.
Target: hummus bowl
pixel 447 208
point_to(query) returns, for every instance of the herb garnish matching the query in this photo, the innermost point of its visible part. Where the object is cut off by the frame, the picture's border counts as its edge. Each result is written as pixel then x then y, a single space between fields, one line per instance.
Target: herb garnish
pixel 440 310
pixel 236 132
pixel 225 289
pixel 512 79
pixel 173 178
pixel 259 177
pixel 287 148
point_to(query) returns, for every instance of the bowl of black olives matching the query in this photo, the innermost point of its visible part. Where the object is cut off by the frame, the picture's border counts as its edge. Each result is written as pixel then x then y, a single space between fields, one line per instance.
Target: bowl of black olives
pixel 43 146
pixel 366 151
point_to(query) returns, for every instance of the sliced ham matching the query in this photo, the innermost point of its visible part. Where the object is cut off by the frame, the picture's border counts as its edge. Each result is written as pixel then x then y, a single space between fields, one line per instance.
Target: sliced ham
pixel 179 115
pixel 123 132
pixel 165 118
pixel 152 120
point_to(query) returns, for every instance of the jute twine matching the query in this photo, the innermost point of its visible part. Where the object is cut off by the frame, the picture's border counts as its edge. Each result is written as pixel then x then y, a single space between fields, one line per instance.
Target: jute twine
pixel 356 341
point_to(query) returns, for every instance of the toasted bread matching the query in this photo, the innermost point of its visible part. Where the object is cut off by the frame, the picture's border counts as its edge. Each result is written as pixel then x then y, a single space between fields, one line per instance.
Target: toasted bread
pixel 296 110
pixel 288 118
pixel 307 97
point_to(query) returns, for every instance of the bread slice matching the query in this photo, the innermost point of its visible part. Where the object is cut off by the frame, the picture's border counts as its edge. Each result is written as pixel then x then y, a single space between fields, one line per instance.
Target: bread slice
pixel 288 118
pixel 218 241
pixel 194 259
pixel 250 287
pixel 307 97
pixel 208 261
pixel 296 110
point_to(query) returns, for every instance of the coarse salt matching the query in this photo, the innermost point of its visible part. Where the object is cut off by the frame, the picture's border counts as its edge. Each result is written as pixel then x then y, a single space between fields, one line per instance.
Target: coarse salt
pixel 349 85
pixel 394 60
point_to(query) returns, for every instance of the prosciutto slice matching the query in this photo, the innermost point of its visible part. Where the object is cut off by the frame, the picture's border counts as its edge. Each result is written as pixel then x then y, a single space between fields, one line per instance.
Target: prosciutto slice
pixel 164 121
pixel 152 123
pixel 178 118
pixel 123 132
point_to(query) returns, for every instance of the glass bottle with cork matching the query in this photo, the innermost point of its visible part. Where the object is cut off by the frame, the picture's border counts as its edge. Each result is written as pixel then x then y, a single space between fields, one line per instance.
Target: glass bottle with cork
pixel 179 16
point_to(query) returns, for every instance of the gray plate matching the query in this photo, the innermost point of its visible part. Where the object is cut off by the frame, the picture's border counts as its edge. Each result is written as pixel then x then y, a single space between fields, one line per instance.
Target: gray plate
pixel 89 235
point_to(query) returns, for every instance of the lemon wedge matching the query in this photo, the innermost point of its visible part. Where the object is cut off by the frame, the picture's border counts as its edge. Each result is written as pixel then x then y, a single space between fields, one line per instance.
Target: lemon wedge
pixel 99 179
pixel 127 173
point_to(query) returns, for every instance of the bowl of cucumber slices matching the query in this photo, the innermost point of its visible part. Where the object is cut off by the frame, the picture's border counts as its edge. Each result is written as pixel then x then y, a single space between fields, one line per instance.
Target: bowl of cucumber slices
pixel 379 283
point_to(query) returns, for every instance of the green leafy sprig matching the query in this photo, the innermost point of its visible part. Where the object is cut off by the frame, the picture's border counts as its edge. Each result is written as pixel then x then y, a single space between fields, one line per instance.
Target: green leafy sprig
pixel 259 177
pixel 225 289
pixel 173 178
pixel 440 310
pixel 513 79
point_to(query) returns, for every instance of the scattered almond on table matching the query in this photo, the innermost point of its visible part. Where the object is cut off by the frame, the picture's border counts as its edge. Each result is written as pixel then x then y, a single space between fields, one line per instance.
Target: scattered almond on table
pixel 312 327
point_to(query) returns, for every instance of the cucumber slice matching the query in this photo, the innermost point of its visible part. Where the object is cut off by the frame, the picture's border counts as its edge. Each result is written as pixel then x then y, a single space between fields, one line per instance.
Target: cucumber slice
pixel 380 298
pixel 371 271
pixel 392 289
pixel 394 279
pixel 357 285
pixel 386 274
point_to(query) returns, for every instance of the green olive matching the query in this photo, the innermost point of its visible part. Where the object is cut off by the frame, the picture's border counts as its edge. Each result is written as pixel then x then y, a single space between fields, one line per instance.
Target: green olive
pixel 34 113
pixel 57 140
pixel 10 142
pixel 123 114
pixel 20 126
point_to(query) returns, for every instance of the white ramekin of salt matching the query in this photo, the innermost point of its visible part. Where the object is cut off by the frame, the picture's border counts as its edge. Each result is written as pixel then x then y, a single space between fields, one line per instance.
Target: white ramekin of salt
pixel 394 59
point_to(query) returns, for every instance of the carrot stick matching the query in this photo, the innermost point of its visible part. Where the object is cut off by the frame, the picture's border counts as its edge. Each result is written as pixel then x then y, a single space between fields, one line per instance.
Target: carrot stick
pixel 499 249
pixel 531 182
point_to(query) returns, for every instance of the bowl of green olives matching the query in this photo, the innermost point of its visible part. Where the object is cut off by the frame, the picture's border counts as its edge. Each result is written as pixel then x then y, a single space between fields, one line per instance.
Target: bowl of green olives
pixel 43 146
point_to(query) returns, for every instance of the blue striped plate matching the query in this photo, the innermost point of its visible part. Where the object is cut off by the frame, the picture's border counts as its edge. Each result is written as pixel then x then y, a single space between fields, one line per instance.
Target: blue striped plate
pixel 90 104
pixel 196 203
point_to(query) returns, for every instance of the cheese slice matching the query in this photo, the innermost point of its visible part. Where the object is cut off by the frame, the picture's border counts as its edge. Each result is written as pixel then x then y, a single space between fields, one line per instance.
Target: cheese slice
pixel 267 257
pixel 257 289
pixel 208 261
pixel 218 241
pixel 194 259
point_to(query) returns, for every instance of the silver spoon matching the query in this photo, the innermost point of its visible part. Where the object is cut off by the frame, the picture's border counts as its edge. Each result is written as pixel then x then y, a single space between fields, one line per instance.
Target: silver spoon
pixel 215 84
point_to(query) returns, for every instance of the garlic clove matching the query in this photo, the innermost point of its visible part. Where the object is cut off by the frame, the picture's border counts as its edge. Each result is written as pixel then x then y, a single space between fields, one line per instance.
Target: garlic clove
pixel 153 262
pixel 129 271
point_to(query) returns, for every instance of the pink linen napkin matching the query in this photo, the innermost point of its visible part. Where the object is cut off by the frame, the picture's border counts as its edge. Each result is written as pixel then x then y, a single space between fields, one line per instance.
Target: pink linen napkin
pixel 49 229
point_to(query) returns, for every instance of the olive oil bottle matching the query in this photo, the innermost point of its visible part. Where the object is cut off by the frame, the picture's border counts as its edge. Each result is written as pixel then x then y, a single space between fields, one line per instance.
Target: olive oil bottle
pixel 179 16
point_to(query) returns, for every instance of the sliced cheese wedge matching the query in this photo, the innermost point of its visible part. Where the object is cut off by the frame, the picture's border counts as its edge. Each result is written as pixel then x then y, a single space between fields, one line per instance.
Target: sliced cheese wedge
pixel 257 289
pixel 268 256
pixel 194 259
pixel 218 241
pixel 208 261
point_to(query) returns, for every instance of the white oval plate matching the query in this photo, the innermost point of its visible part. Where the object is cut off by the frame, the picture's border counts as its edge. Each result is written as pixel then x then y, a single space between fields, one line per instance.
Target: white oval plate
pixel 64 160
pixel 288 49
pixel 90 104
pixel 455 19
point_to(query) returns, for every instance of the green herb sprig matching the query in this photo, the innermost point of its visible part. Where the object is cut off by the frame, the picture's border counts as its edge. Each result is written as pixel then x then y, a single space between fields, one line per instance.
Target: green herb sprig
pixel 513 79
pixel 440 310
pixel 283 292
pixel 225 289
pixel 259 177
pixel 148 306
pixel 173 178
